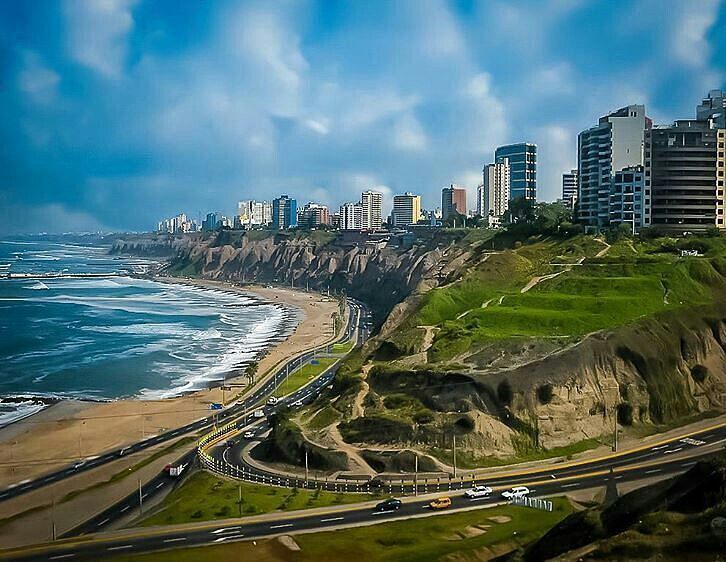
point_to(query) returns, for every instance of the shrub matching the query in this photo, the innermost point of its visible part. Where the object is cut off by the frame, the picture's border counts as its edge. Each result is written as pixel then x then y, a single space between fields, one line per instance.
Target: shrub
pixel 197 514
pixel 504 392
pixel 625 414
pixel 699 373
pixel 544 393
pixel 423 417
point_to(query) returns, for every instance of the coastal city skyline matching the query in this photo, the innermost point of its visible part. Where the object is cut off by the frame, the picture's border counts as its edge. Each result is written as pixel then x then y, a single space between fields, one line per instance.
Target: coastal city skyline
pixel 256 100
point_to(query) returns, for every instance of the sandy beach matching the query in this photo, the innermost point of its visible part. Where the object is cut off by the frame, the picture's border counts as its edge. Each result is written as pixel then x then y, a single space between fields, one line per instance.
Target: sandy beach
pixel 69 430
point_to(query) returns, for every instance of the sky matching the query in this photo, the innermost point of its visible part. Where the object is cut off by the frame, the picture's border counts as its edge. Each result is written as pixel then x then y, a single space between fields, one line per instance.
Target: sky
pixel 117 113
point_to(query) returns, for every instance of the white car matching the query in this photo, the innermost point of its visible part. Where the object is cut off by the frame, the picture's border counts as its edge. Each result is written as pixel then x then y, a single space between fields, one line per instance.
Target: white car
pixel 516 492
pixel 271 401
pixel 478 492
pixel 297 404
pixel 248 434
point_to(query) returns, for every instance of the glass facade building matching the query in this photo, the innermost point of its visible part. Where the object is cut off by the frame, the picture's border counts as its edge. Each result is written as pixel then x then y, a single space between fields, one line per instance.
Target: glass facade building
pixel 522 169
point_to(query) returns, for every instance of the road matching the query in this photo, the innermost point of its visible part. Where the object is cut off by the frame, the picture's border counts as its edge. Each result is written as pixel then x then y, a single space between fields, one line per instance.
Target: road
pixel 357 313
pixel 664 459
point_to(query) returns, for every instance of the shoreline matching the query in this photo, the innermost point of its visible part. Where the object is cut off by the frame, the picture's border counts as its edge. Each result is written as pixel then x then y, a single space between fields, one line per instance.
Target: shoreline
pixel 89 428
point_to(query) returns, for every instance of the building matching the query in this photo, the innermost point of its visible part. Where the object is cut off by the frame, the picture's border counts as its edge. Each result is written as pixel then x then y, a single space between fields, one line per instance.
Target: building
pixel 351 216
pixel 713 107
pixel 569 188
pixel 522 169
pixel 406 210
pixel 212 222
pixel 254 213
pixel 684 176
pixel 493 194
pixel 284 212
pixel 372 205
pixel 615 143
pixel 313 215
pixel 627 198
pixel 453 201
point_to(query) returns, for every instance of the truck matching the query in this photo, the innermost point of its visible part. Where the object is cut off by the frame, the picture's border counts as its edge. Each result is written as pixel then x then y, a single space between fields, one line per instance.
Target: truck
pixel 174 470
pixel 258 414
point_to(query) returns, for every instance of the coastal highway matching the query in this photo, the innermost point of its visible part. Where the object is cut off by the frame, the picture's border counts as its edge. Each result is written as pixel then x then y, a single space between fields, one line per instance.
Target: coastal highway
pixel 357 329
pixel 665 460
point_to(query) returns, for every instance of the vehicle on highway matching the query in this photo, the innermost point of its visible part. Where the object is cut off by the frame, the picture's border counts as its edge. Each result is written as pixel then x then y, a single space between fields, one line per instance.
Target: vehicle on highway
pixel 440 503
pixel 79 464
pixel 478 492
pixel 231 442
pixel 248 434
pixel 123 451
pixel 391 504
pixel 516 492
pixel 174 469
pixel 297 404
pixel 258 414
pixel 271 401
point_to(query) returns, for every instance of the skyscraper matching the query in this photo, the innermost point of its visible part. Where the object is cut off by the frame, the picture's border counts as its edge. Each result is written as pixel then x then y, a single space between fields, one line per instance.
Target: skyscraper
pixel 713 107
pixel 522 169
pixel 406 209
pixel 569 188
pixel 627 198
pixel 313 215
pixel 372 205
pixel 284 212
pixel 453 201
pixel 254 213
pixel 351 216
pixel 494 193
pixel 615 143
pixel 684 176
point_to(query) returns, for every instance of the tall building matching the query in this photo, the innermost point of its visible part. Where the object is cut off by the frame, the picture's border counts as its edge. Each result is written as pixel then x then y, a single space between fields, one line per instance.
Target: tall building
pixel 713 107
pixel 254 213
pixel 372 206
pixel 351 216
pixel 453 201
pixel 313 215
pixel 627 198
pixel 614 144
pixel 494 193
pixel 684 176
pixel 522 169
pixel 212 222
pixel 569 188
pixel 284 212
pixel 406 209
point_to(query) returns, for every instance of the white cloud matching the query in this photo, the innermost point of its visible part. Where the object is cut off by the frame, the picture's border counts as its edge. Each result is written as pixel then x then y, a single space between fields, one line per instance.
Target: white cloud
pixel 555 79
pixel 689 43
pixel 319 126
pixel 97 32
pixel 52 218
pixel 36 80
pixel 556 154
pixel 408 134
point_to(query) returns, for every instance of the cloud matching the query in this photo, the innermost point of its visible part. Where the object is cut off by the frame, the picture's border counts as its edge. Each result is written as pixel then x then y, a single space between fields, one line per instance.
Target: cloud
pixel 36 80
pixel 97 32
pixel 408 134
pixel 690 43
pixel 556 154
pixel 52 218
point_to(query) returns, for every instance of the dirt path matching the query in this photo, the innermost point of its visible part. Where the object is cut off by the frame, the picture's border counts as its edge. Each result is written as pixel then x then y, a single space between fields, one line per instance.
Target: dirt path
pixel 604 251
pixel 361 466
pixel 537 280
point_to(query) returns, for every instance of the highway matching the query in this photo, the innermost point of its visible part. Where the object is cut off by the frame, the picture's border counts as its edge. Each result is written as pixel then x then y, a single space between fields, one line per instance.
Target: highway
pixel 657 460
pixel 357 313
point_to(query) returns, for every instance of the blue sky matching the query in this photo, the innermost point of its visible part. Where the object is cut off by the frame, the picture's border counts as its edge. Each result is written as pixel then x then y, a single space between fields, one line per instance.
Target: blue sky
pixel 116 113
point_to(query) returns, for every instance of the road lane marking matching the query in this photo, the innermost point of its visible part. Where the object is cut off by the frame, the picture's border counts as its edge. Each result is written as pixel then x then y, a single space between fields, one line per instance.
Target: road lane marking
pixel 102 522
pixel 178 539
pixel 159 485
pixel 222 539
pixel 570 485
pixel 281 526
pixel 122 547
pixel 332 519
pixel 673 451
pixel 124 508
pixel 660 447
pixel 62 556
pixel 653 471
pixel 225 530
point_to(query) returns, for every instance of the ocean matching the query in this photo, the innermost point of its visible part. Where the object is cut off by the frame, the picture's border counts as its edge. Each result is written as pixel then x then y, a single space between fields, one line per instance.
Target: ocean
pixel 116 337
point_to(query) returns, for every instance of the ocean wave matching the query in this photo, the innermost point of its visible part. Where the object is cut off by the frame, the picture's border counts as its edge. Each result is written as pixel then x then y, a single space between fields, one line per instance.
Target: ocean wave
pixel 39 286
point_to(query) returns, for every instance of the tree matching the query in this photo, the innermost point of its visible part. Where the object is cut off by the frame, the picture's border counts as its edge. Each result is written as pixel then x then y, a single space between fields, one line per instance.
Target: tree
pixel 251 371
pixel 550 217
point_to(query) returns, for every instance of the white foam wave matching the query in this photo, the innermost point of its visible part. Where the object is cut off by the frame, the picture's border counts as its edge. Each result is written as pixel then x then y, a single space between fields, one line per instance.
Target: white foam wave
pixel 39 286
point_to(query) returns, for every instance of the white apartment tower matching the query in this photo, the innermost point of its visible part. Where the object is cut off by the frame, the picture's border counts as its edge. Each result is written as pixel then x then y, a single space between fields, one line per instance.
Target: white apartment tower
pixel 351 216
pixel 493 194
pixel 372 205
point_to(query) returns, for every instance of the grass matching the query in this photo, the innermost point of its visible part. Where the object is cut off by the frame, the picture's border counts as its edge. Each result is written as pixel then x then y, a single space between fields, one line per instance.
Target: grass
pixel 342 348
pixel 204 497
pixel 304 375
pixel 429 538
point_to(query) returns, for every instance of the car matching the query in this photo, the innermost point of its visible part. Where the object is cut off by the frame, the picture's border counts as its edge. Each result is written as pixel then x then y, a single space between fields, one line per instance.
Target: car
pixel 440 503
pixel 231 442
pixel 478 492
pixel 79 464
pixel 391 504
pixel 516 492
pixel 258 414
pixel 271 401
pixel 297 404
pixel 123 451
pixel 248 434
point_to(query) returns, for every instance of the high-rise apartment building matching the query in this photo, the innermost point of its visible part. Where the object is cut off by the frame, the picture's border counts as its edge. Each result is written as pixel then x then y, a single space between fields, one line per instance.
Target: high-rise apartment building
pixel 627 198
pixel 522 169
pixel 569 188
pixel 684 176
pixel 351 216
pixel 372 208
pixel 406 209
pixel 453 201
pixel 254 213
pixel 713 106
pixel 493 194
pixel 614 144
pixel 284 212
pixel 313 215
